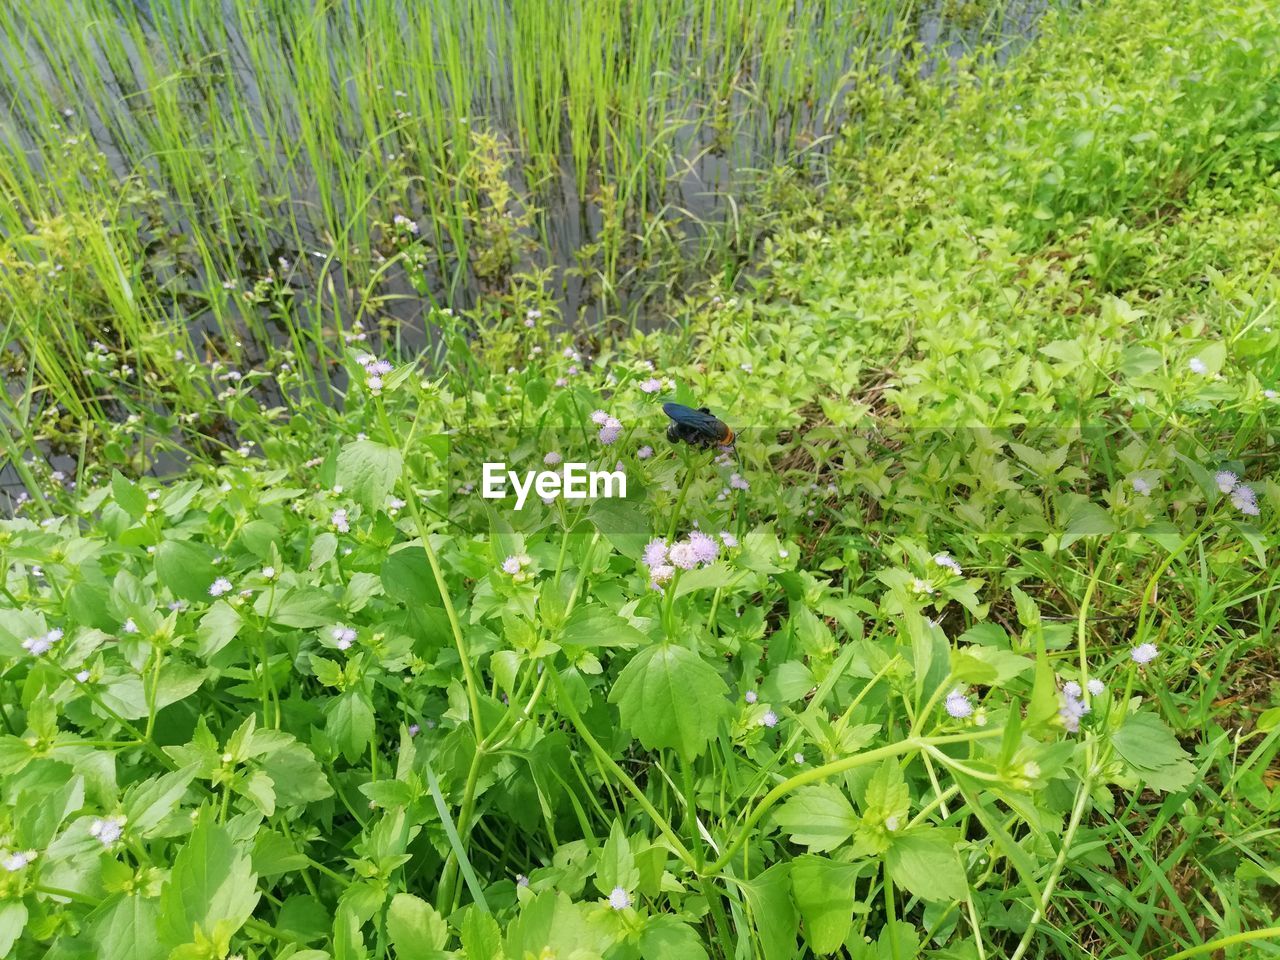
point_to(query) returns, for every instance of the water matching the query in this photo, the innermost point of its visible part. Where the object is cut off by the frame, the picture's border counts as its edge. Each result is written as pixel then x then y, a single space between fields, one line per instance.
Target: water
pixel 714 154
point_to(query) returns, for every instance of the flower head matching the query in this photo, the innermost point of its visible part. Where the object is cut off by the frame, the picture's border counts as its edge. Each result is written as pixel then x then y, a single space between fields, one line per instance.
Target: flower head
pixel 958 705
pixel 552 458
pixel 704 547
pixel 610 431
pixel 108 830
pixel 948 562
pixel 644 453
pixel 129 626
pixel 750 696
pixel 1071 689
pixel 684 555
pixel 770 719
pixel 1226 480
pixel 1144 653
pixel 13 862
pixel 1096 687
pixel 340 521
pixel 219 587
pixel 343 636
pixel 1141 487
pixel 599 417
pixel 652 385
pixel 38 646
pixel 728 539
pixel 655 553
pixel 1197 366
pixel 1245 500
pixel 619 899
pixel 736 482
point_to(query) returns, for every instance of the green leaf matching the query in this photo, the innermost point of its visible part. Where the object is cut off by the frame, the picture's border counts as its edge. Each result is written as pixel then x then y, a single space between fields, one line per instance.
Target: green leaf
pixel 416 930
pixel 147 804
pixel 128 495
pixel 13 919
pixel 350 723
pixel 186 569
pixel 304 607
pixel 617 865
pixel 124 928
pixel 368 471
pixel 305 917
pixel 211 888
pixel 217 628
pixel 592 625
pixel 668 696
pixel 668 938
pixel 480 935
pixel 824 891
pixel 1153 752
pixel 774 915
pixel 1087 520
pixel 924 862
pixel 819 817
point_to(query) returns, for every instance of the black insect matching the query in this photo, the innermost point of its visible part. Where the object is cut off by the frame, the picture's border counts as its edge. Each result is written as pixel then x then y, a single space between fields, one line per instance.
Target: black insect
pixel 699 428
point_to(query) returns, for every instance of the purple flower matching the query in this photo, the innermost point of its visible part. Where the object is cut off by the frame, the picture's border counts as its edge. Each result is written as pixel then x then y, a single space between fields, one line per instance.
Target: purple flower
pixel 414 729
pixel 958 705
pixel 655 553
pixel 1144 653
pixel 1071 711
pixel 652 385
pixel 644 453
pixel 1141 487
pixel 1226 480
pixel 1071 689
pixel 343 637
pixel 737 483
pixel 552 458
pixel 750 696
pixel 683 555
pixel 728 539
pixel 704 548
pixel 770 719
pixel 599 418
pixel 610 431
pixel 1245 500
pixel 340 521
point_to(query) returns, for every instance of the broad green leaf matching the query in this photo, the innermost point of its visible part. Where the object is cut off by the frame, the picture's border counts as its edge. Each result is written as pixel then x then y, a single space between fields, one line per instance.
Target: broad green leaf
pixel 211 888
pixel 124 928
pixel 368 472
pixel 13 918
pixel 147 804
pixel 416 930
pixel 1153 752
pixel 773 914
pixel 823 889
pixel 480 935
pixel 668 696
pixel 924 861
pixel 593 625
pixel 128 495
pixel 819 817
pixel 350 723
pixel 617 866
pixel 670 939
pixel 1088 520
pixel 186 568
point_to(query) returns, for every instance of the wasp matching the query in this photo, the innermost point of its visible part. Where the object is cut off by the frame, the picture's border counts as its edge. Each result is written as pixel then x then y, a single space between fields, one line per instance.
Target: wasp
pixel 698 428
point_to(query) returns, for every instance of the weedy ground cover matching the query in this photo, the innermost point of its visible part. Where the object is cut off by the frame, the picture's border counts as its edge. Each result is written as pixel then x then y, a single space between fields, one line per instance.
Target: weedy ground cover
pixel 968 652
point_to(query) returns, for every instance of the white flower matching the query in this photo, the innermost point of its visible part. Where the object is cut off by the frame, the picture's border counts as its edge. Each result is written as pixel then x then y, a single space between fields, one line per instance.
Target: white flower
pixel 1226 480
pixel 921 586
pixel 82 676
pixel 343 637
pixel 13 862
pixel 770 719
pixel 269 573
pixel 219 587
pixel 619 899
pixel 107 830
pixel 129 626
pixel 340 521
pixel 891 823
pixel 947 561
pixel 1141 487
pixel 1096 687
pixel 958 705
pixel 1197 366
pixel 1144 653
pixel 750 696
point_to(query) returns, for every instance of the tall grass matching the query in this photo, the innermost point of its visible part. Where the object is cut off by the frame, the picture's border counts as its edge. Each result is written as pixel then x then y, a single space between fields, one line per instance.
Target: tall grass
pixel 222 180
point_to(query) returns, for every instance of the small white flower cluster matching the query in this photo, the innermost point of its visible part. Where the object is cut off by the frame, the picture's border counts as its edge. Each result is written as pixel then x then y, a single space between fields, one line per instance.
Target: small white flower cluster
pixel 220 586
pixel 16 860
pixel 40 645
pixel 516 566
pixel 107 830
pixel 374 371
pixel 343 636
pixel 1243 496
